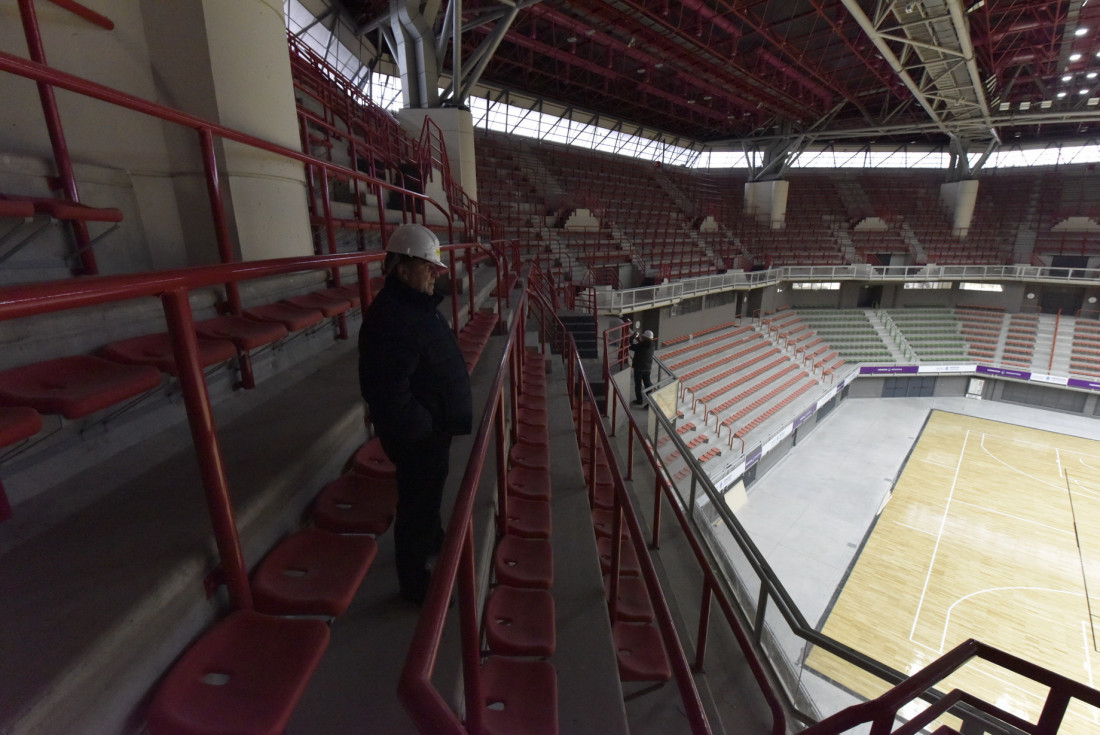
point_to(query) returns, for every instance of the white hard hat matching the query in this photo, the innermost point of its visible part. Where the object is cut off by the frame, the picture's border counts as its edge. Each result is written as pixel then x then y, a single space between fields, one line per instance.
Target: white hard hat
pixel 647 334
pixel 417 241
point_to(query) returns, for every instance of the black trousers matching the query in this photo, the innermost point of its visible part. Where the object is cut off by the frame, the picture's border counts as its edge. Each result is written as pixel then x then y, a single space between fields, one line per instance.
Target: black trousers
pixel 640 377
pixel 418 528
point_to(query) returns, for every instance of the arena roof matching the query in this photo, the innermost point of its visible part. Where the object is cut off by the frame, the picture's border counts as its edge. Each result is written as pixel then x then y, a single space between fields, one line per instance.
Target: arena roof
pixel 826 71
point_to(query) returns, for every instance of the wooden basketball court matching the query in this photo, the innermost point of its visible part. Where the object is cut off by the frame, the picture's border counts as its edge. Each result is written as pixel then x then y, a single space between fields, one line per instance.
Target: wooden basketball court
pixel 992 532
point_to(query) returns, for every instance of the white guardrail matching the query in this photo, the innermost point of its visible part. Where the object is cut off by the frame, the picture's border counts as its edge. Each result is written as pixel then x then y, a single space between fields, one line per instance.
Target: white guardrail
pixel 635 299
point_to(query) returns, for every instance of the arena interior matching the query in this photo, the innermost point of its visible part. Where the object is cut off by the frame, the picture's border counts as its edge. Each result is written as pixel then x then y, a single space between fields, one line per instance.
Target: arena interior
pixel 864 233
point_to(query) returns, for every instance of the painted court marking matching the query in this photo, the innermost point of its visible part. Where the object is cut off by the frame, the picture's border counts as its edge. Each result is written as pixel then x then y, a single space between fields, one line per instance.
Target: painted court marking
pixel 979 541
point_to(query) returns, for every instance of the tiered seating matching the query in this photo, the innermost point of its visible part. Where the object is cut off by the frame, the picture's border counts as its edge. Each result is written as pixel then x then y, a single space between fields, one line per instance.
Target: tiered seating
pixel 639 648
pixel 933 334
pixel 847 331
pixel 519 615
pixel 1085 353
pixel 475 335
pixel 981 328
pixel 247 673
pixel 1020 339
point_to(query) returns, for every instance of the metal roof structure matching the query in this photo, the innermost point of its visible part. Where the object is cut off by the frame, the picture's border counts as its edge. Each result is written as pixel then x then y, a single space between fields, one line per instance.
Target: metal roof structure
pixel 727 72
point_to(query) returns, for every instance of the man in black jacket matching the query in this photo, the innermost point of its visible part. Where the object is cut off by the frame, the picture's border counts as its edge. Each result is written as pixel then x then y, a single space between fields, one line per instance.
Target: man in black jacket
pixel 414 378
pixel 642 346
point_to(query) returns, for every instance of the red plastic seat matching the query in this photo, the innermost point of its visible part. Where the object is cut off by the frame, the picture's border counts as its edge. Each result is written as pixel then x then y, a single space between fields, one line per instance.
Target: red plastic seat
pixel 312 572
pixel 355 503
pixel 529 484
pixel 628 559
pixel 528 518
pixel 521 696
pixel 640 653
pixel 531 415
pixel 371 460
pixel 522 562
pixel 156 350
pixel 520 622
pixel 324 304
pixel 294 318
pixel 532 456
pixel 537 434
pixel 632 605
pixel 74 386
pixel 349 293
pixel 245 334
pixel 245 675
pixel 18 423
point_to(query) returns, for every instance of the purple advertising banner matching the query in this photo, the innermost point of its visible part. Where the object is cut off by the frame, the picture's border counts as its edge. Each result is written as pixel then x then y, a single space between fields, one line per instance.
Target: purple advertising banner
pixel 807 414
pixel 887 369
pixel 1090 384
pixel 754 457
pixel 1004 372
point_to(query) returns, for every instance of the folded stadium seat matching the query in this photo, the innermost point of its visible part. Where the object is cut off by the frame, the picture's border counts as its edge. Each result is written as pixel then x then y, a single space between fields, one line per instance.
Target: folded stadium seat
pixel 632 604
pixel 628 558
pixel 324 304
pixel 527 400
pixel 529 484
pixel 294 318
pixel 312 572
pixel 349 293
pixel 532 456
pixel 371 460
pixel 356 503
pixel 521 562
pixel 640 653
pixel 527 518
pixel 538 434
pixel 245 334
pixel 16 424
pixel 244 675
pixel 520 695
pixel 75 386
pixel 520 622
pixel 156 350
pixel 531 415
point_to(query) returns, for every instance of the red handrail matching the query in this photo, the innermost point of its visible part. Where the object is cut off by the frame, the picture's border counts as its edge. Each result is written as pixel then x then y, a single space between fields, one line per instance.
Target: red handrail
pixel 456 566
pixel 711 585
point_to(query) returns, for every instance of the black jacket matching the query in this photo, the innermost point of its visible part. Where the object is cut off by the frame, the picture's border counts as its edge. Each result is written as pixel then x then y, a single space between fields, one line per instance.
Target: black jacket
pixel 643 354
pixel 411 371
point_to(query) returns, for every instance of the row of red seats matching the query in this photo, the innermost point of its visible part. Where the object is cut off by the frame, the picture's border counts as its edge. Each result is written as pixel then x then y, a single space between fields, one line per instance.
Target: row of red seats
pixel 750 391
pixel 77 386
pixel 639 647
pixel 247 672
pixel 741 381
pixel 737 342
pixel 519 616
pixel 772 409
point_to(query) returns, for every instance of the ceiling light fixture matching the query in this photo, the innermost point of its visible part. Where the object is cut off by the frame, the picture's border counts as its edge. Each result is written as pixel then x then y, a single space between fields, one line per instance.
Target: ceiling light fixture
pixel 1091 75
pixel 1075 57
pixel 1061 95
pixel 1067 78
pixel 1080 32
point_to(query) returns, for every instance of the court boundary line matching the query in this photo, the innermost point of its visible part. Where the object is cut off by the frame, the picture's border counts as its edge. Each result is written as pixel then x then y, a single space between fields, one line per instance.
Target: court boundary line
pixel 939 538
pixel 1081 559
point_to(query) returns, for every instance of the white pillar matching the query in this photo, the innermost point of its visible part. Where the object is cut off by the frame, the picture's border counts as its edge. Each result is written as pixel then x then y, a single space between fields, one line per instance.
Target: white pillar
pixel 228 62
pixel 959 198
pixel 767 201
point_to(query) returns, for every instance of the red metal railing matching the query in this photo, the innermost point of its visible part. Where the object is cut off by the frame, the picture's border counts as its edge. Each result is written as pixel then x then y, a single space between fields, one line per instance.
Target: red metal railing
pixel 457 568
pixel 713 591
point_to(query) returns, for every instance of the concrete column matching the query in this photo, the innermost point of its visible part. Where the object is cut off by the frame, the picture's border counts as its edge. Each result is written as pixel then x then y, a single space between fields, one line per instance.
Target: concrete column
pixel 457 126
pixel 228 62
pixel 959 197
pixel 767 201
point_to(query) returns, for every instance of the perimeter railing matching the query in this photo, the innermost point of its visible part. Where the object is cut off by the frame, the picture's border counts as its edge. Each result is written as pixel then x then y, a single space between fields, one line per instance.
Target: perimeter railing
pixel 775 636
